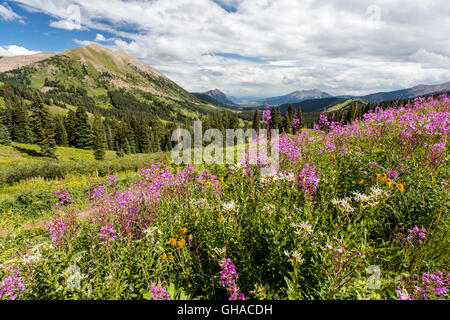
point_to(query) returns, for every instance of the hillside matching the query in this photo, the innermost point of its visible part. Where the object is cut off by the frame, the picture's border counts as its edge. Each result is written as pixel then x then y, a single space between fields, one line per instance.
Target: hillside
pixel 416 91
pixel 96 72
pixel 208 99
pixel 218 96
pixel 139 107
pixel 293 97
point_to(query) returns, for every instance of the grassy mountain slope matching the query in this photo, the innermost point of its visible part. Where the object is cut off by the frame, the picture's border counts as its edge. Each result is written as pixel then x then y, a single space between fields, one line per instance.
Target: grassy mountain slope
pixel 95 74
pixel 346 104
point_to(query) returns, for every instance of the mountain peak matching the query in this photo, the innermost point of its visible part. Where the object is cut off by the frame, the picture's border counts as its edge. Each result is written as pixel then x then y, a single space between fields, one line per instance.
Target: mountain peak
pixel 219 96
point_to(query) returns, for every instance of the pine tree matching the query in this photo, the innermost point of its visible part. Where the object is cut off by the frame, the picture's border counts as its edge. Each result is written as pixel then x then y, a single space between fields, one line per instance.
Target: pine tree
pixel 19 121
pixel 143 137
pixel 60 132
pixel 5 139
pixel 256 121
pixel 126 146
pixel 276 118
pixel 299 116
pixel 109 138
pixel 70 127
pixel 83 131
pixel 287 123
pixel 98 138
pixel 43 127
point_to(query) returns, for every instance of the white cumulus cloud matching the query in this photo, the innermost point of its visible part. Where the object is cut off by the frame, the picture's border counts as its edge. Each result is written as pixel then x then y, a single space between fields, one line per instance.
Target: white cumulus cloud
pixel 268 47
pixel 13 50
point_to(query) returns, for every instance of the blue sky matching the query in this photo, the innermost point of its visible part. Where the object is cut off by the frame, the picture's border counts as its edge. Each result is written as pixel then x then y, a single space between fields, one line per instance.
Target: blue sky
pixel 250 47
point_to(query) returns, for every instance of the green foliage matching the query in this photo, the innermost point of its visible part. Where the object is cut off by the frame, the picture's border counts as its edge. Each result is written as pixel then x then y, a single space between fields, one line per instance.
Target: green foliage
pixel 5 138
pixel 43 128
pixel 256 124
pixel 98 138
pixel 83 131
pixel 61 137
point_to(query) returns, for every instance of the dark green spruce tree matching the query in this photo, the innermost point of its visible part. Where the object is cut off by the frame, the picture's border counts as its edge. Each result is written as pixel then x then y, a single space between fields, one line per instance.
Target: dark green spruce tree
pixel 5 138
pixel 143 137
pixel 288 117
pixel 70 127
pixel 19 121
pixel 256 121
pixel 83 131
pixel 276 118
pixel 299 116
pixel 98 138
pixel 60 132
pixel 42 124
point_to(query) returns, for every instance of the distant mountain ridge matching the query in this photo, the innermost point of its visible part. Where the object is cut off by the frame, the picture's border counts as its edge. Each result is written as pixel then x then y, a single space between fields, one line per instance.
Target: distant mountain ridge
pixel 292 97
pixel 416 91
pixel 219 96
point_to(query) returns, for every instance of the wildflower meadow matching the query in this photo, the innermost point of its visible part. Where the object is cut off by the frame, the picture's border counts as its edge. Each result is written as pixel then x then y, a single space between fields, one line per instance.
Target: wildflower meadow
pixel 356 211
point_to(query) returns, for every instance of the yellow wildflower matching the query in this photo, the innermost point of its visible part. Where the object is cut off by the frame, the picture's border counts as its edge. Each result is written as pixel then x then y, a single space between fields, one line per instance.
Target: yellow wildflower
pixel 388 182
pixel 164 257
pixel 170 256
pixel 360 181
pixel 220 219
pixel 183 231
pixel 400 187
pixel 375 177
pixel 172 242
pixel 181 243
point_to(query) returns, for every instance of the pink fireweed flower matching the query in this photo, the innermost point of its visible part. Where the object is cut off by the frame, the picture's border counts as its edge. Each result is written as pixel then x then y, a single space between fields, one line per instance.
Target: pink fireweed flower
pixel 158 292
pixel 112 180
pixel 107 233
pixel 63 198
pixel 57 228
pixel 228 280
pixel 12 286
pixel 416 235
pixel 308 179
pixel 430 286
pixel 266 115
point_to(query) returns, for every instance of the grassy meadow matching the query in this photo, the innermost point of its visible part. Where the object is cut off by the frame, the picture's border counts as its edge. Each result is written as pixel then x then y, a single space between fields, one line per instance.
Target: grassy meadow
pixel 357 211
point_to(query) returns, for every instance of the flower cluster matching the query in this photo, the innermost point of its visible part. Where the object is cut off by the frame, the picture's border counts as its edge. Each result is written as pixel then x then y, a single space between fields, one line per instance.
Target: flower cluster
pixel 308 179
pixel 228 280
pixel 277 176
pixel 302 229
pixel 343 205
pixel 158 292
pixel 294 257
pixel 57 228
pixel 430 286
pixel 112 180
pixel 12 286
pixel 230 207
pixel 63 198
pixel 266 115
pixel 416 235
pixel 107 233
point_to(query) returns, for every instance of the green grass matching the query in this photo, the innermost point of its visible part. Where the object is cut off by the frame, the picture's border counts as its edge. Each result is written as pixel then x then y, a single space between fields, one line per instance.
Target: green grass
pixel 347 103
pixel 20 153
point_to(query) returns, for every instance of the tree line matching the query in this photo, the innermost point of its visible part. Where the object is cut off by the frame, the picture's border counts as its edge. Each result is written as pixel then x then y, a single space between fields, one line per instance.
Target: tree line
pixel 123 131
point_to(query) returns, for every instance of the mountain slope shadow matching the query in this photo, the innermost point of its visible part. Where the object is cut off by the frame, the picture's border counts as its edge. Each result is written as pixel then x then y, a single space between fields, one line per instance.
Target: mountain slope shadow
pixel 29 152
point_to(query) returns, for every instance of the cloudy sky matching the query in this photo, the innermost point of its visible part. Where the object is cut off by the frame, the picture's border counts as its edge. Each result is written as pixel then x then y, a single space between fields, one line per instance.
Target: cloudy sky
pixel 250 47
